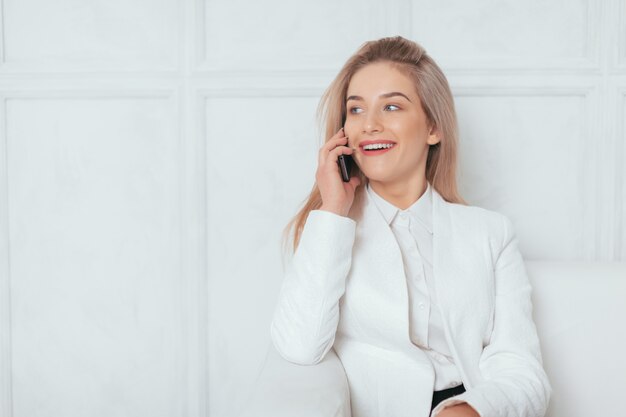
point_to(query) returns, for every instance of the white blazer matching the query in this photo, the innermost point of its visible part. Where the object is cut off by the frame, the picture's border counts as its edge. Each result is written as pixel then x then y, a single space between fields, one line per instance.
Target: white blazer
pixel 345 288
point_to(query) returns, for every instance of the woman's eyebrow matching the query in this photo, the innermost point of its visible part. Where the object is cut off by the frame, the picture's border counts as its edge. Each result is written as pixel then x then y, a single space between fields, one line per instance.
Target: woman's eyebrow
pixel 394 93
pixel 386 95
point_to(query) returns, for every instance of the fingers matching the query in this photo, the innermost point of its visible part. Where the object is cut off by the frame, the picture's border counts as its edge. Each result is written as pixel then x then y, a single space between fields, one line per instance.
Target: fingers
pixel 335 140
pixel 339 150
pixel 334 192
pixel 330 164
pixel 328 169
pixel 333 155
pixel 331 144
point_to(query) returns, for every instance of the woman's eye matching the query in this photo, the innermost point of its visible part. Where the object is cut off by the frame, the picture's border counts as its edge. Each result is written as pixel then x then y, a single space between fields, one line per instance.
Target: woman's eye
pixel 355 110
pixel 392 107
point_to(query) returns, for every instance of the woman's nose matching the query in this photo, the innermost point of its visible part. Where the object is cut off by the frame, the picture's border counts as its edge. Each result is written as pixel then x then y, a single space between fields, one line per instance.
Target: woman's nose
pixel 372 124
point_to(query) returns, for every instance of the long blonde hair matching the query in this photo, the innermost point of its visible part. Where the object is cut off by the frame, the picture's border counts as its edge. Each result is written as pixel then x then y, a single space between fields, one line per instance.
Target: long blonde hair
pixel 438 104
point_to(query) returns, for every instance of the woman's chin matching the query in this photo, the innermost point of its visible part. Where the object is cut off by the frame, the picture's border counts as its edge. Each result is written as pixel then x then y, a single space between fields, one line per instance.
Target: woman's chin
pixel 378 170
pixel 377 176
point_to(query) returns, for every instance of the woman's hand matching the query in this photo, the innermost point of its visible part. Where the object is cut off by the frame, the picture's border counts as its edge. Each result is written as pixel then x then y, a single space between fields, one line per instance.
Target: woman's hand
pixel 459 410
pixel 337 196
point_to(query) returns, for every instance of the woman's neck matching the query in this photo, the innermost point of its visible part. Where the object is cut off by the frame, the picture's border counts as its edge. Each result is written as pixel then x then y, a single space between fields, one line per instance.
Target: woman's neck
pixel 400 194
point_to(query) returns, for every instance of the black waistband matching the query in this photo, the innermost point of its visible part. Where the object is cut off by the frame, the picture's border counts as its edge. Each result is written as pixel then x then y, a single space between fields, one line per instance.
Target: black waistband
pixel 439 396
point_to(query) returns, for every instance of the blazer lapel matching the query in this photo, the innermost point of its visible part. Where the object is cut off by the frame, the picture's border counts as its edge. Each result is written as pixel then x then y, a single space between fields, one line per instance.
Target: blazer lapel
pixel 379 260
pixel 461 277
pixel 458 269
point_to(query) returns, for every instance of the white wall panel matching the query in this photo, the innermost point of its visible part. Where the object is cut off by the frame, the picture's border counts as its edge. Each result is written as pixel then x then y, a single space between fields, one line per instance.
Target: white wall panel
pixel 5 289
pixel 621 30
pixel 621 220
pixel 527 155
pixel 74 35
pixel 261 162
pixel 94 225
pixel 285 35
pixel 118 225
pixel 507 34
pixel 2 24
pixel 621 33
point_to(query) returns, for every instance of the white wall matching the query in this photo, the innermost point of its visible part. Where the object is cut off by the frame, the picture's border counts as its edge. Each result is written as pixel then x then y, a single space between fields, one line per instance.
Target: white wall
pixel 152 151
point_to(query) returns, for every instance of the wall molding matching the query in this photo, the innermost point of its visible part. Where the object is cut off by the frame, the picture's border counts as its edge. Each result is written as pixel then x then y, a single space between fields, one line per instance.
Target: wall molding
pixel 620 201
pixel 193 325
pixel 89 94
pixel 6 368
pixel 201 96
pixel 589 63
pixel 588 93
pixel 621 35
pixel 395 19
pixel 531 91
pixel 193 81
pixel 402 24
pixel 2 34
pixel 163 69
pixel 593 224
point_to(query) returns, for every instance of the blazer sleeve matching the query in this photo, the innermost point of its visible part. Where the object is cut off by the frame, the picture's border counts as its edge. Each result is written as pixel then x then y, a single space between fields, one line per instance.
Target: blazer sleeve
pixel 514 382
pixel 307 312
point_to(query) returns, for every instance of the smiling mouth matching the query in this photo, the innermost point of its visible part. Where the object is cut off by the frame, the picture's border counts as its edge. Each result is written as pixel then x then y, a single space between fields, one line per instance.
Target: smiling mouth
pixel 377 149
pixel 374 147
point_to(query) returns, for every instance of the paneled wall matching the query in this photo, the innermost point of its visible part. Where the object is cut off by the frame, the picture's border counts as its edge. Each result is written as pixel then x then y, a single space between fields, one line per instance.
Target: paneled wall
pixel 151 153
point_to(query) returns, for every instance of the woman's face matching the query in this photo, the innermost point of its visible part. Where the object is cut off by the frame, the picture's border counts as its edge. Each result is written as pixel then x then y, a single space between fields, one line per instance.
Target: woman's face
pixel 383 107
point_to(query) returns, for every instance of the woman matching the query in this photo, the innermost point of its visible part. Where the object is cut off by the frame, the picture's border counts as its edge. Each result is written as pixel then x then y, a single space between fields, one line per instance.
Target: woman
pixel 424 298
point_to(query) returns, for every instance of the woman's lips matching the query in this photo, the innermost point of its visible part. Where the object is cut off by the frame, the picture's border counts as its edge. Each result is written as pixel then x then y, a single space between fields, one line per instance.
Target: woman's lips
pixel 375 152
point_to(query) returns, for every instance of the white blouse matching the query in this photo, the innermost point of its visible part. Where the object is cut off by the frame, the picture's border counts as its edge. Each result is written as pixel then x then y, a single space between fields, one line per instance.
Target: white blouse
pixel 413 231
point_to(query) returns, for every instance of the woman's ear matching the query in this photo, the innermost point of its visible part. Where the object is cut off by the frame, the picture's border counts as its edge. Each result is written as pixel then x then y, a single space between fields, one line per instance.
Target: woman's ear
pixel 433 136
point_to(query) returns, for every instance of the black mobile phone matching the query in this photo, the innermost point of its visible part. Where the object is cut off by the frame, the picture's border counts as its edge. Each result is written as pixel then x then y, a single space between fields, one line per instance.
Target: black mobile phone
pixel 345 165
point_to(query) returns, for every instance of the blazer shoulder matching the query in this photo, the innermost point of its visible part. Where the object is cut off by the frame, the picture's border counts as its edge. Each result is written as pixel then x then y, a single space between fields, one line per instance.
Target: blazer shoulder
pixel 492 222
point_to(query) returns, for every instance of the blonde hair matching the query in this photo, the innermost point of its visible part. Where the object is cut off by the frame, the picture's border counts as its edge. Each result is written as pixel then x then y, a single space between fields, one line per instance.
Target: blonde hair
pixel 438 104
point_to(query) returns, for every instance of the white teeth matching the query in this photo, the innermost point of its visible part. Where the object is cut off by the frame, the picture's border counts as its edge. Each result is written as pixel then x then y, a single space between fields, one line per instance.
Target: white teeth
pixel 378 146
